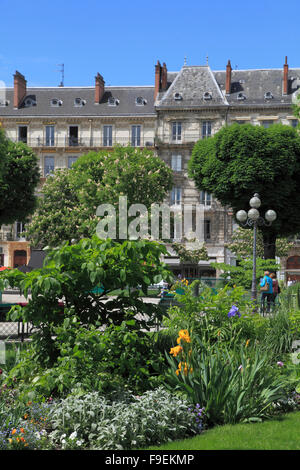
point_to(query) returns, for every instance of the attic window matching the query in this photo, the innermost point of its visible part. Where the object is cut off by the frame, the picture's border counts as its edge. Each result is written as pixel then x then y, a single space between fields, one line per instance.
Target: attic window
pixel 56 102
pixel 207 95
pixel 79 102
pixel 241 96
pixel 29 102
pixel 113 101
pixel 177 96
pixel 140 101
pixel 4 103
pixel 268 95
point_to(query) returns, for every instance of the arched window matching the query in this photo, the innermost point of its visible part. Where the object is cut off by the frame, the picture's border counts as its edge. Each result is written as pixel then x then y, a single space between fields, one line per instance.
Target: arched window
pixel 293 262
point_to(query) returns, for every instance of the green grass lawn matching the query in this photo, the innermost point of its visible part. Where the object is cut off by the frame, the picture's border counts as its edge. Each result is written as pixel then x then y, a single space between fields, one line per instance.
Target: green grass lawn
pixel 282 433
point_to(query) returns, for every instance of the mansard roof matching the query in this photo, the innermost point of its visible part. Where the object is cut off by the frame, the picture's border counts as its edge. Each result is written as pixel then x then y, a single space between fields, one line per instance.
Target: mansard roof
pixel 255 84
pixel 248 88
pixel 196 85
pixel 125 96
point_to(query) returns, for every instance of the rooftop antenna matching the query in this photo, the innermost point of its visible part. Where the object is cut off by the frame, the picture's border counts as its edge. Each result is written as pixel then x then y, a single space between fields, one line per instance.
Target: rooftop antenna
pixel 62 70
pixel 184 63
pixel 207 60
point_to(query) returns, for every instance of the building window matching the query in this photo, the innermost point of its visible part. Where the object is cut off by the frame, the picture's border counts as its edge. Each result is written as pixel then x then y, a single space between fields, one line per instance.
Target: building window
pixel 107 136
pixel 207 229
pixel 294 122
pixel 79 102
pixel 135 136
pixel 55 103
pixel 176 196
pixel 140 101
pixel 267 123
pixel 176 131
pixel 112 101
pixel 205 198
pixel 176 163
pixel 71 160
pixel 206 129
pixel 48 166
pixel 49 136
pixel 22 134
pixel 20 228
pixel 73 136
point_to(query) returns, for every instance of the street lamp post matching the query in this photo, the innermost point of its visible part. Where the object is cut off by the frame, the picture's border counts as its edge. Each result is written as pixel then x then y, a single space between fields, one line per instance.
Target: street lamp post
pixel 253 218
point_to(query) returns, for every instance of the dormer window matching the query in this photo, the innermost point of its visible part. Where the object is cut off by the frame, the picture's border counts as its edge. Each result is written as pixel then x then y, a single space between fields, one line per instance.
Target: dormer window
pixel 207 95
pixel 140 101
pixel 29 102
pixel 240 96
pixel 79 102
pixel 177 96
pixel 4 103
pixel 113 101
pixel 56 102
pixel 268 95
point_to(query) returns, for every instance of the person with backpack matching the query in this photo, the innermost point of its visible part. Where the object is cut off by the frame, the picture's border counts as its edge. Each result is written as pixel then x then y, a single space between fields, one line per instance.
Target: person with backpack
pixel 276 288
pixel 266 288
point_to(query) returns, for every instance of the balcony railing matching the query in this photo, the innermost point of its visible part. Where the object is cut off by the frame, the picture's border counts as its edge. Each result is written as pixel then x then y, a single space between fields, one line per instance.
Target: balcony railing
pixel 71 141
pixel 185 138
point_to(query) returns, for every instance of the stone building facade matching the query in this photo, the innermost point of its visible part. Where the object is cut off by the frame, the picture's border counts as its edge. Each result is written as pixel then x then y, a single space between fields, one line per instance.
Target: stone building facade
pixel 61 123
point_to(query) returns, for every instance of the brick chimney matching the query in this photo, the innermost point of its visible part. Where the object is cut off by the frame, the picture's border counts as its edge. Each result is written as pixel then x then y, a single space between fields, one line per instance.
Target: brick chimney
pixel 19 89
pixel 164 77
pixel 99 88
pixel 158 73
pixel 285 77
pixel 228 78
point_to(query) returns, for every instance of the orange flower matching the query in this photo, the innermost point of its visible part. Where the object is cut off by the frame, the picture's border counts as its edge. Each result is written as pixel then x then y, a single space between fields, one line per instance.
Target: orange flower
pixel 22 439
pixel 13 432
pixel 176 350
pixel 25 416
pixel 184 335
pixel 10 441
pixel 22 430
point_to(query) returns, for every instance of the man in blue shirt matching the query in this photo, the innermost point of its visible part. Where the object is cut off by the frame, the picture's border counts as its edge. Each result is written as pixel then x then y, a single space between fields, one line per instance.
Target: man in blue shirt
pixel 266 294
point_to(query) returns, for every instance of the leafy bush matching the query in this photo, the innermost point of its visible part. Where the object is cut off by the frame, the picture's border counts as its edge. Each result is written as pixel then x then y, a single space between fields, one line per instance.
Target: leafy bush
pixel 72 272
pixel 92 360
pixel 135 421
pixel 233 385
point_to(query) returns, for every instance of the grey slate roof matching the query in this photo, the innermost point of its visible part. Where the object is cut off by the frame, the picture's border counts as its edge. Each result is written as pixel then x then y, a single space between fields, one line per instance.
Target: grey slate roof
pixel 43 96
pixel 255 83
pixel 193 81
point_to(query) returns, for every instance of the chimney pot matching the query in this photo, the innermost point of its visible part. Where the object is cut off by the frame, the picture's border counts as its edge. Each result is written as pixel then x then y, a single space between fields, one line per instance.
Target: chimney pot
pixel 164 77
pixel 99 88
pixel 20 89
pixel 158 77
pixel 285 77
pixel 228 78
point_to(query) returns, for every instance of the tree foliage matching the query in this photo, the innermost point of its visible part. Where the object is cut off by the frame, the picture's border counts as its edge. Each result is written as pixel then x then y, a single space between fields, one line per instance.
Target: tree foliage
pixel 242 244
pixel 19 176
pixel 84 275
pixel 241 275
pixel 67 208
pixel 241 160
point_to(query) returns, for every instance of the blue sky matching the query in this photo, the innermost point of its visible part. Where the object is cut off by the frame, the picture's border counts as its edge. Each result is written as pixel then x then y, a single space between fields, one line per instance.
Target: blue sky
pixel 124 39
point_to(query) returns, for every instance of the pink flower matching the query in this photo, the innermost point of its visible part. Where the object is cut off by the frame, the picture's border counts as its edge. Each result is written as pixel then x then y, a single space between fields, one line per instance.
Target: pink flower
pixel 280 364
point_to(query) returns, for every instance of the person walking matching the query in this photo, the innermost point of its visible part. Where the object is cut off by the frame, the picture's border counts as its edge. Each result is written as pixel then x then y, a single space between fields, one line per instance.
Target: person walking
pixel 276 288
pixel 266 288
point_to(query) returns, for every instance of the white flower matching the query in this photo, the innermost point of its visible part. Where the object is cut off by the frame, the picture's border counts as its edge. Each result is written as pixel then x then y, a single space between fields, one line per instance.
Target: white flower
pixel 73 435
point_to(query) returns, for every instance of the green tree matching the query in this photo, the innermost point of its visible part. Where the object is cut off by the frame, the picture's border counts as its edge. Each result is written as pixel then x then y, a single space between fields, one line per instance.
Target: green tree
pixel 67 208
pixel 242 244
pixel 239 161
pixel 241 275
pixel 19 176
